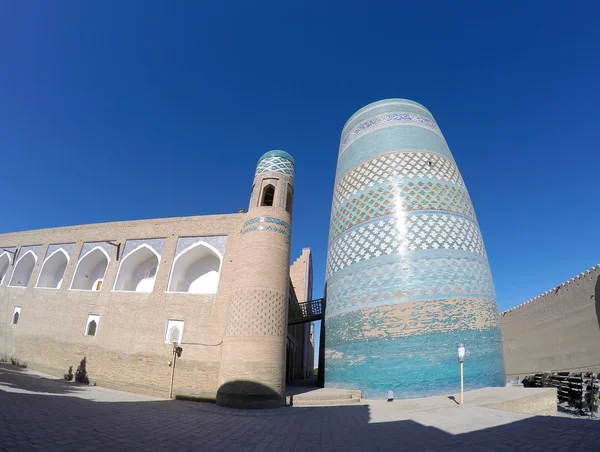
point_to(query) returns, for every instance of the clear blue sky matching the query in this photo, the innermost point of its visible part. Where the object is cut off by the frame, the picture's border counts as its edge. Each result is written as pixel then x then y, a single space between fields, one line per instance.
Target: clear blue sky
pixel 127 110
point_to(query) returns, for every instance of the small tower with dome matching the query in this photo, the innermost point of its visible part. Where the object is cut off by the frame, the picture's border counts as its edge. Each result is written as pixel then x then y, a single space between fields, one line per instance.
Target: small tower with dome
pixel 252 372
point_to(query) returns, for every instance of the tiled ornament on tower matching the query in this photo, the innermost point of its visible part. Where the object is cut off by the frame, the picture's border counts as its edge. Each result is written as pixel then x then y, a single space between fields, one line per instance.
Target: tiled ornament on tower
pixel 407 272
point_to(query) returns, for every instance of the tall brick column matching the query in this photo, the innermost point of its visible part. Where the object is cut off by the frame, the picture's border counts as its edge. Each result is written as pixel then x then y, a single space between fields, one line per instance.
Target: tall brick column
pixel 253 361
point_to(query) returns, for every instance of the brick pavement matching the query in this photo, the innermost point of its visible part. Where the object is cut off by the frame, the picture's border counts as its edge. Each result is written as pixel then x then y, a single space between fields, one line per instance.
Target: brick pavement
pixel 45 414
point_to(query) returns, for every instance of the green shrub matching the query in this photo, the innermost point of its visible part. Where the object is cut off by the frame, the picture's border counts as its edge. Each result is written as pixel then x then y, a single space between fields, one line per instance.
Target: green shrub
pixel 69 376
pixel 81 375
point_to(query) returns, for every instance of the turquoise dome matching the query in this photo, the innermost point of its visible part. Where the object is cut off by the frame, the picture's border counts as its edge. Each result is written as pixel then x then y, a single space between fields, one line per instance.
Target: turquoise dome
pixel 277 153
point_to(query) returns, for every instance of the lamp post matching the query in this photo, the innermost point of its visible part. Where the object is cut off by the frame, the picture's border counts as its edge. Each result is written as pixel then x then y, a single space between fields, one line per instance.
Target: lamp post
pixel 461 359
pixel 176 354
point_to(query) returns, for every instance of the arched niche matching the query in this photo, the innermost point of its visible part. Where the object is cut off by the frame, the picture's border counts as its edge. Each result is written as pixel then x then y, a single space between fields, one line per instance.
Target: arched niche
pixel 23 270
pixel 138 270
pixel 268 196
pixel 90 270
pixel 53 270
pixel 4 265
pixel 196 270
pixel 289 199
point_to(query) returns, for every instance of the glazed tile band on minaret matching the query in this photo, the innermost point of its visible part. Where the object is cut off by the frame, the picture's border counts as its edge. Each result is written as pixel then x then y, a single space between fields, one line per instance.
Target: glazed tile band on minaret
pixel 407 274
pixel 252 372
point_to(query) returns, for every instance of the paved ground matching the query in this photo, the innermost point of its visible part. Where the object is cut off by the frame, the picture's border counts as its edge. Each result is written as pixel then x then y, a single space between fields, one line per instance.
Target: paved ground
pixel 39 413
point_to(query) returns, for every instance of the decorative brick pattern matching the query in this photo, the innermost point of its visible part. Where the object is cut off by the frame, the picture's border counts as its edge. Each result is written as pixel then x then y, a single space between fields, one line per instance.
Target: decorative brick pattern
pixel 35 249
pixel 68 247
pixel 406 269
pixel 406 319
pixel 267 224
pixel 89 246
pixel 388 199
pixel 218 241
pixel 276 165
pixel 397 167
pixel 387 120
pixel 390 281
pixel 273 220
pixel 156 244
pixel 257 313
pixel 390 235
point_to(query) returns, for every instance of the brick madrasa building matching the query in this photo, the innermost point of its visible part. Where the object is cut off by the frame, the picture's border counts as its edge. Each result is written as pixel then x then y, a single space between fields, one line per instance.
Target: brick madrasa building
pixel 120 294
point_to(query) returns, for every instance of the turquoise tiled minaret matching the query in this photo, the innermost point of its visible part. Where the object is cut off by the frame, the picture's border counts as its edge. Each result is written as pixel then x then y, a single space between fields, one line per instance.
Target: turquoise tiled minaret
pixel 407 272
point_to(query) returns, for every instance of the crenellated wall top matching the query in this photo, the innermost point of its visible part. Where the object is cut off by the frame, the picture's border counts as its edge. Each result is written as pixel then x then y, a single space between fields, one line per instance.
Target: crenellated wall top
pixel 587 273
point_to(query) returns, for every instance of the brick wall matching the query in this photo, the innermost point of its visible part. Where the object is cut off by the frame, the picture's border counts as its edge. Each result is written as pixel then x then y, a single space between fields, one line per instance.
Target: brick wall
pixel 558 330
pixel 128 351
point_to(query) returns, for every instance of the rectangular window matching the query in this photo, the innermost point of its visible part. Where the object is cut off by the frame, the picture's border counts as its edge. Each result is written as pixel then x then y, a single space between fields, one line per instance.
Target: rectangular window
pixel 174 332
pixel 16 314
pixel 91 327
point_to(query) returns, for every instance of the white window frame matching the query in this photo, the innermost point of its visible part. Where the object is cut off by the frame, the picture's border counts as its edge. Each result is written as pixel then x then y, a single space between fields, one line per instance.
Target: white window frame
pixel 90 318
pixel 171 324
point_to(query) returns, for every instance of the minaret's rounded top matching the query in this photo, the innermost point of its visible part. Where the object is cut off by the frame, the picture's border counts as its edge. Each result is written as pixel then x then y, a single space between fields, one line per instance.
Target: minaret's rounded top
pixel 277 153
pixel 276 162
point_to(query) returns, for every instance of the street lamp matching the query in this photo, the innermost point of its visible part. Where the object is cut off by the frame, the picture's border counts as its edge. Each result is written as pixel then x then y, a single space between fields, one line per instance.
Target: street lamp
pixel 460 348
pixel 176 354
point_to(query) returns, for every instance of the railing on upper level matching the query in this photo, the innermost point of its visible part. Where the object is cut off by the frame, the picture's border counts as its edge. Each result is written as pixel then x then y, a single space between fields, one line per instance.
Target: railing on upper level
pixel 307 311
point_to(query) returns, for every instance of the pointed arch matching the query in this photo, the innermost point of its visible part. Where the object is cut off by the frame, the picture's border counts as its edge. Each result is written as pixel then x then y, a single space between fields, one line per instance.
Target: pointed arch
pixel 174 335
pixel 174 332
pixel 137 271
pixel 4 266
pixel 289 199
pixel 196 269
pixel 90 270
pixel 268 195
pixel 16 315
pixel 53 270
pixel 91 328
pixel 23 269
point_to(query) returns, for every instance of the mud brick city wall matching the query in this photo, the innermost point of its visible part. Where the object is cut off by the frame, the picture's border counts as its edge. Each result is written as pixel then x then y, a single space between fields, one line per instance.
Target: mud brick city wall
pixel 558 330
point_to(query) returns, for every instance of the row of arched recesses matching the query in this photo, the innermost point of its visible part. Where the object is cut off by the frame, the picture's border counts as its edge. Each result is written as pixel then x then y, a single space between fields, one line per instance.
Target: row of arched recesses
pixel 195 269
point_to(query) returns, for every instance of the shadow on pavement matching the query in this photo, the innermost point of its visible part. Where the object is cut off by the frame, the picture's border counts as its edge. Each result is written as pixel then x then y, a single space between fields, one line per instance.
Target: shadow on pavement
pixel 17 378
pixel 301 386
pixel 30 421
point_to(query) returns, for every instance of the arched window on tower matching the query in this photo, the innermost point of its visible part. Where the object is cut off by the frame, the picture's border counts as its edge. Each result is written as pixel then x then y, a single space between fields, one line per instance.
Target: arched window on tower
pixel 289 199
pixel 268 196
